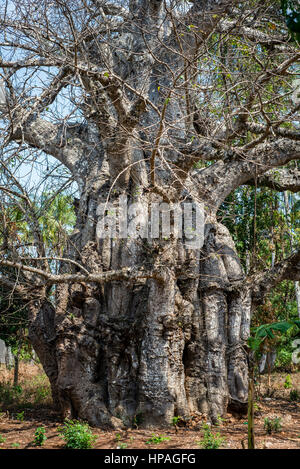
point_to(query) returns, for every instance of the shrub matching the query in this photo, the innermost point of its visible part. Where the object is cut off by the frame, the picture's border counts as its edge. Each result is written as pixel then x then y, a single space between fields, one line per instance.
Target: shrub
pixel 15 445
pixel 284 359
pixel 35 391
pixel 9 393
pixel 77 435
pixel 294 395
pixel 272 425
pixel 20 416
pixel 175 420
pixel 40 436
pixel 288 382
pixel 157 439
pixel 210 440
pixel 122 446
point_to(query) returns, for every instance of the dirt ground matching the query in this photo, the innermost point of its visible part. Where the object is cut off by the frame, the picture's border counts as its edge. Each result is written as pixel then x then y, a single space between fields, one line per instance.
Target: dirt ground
pixel 17 428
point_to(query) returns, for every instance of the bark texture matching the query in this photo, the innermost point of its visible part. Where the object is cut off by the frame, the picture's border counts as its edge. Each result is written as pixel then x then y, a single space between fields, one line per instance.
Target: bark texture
pixel 145 351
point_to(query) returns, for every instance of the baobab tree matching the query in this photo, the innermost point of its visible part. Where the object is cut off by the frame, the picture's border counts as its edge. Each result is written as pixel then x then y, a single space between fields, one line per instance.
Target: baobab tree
pixel 155 103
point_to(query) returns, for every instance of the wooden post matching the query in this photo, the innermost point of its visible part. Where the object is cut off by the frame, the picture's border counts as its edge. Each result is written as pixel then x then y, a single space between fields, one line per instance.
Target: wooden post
pixel 251 440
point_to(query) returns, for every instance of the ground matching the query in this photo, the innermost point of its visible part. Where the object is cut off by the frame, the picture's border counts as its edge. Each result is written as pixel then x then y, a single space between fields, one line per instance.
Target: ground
pixel 28 406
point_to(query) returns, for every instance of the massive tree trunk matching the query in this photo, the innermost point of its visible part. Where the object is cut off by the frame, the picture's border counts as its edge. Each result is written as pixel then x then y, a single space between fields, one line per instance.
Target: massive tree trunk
pixel 150 349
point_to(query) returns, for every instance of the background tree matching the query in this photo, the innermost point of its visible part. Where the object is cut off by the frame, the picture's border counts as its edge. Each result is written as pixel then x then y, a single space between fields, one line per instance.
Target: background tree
pixel 169 101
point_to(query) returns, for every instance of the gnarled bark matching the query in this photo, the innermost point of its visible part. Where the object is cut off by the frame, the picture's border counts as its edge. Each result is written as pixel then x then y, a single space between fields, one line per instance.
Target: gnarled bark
pixel 150 349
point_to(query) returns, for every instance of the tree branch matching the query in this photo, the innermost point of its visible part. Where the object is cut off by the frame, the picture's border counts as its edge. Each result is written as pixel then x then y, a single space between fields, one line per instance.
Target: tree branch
pixel 127 273
pixel 280 180
pixel 61 141
pixel 218 180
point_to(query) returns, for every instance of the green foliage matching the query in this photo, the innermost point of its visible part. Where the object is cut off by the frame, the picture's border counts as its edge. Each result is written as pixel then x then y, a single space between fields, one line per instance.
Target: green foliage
pixel 272 425
pixel 294 395
pixel 55 217
pixel 267 331
pixel 284 357
pixel 15 445
pixel 57 220
pixel 291 12
pixel 40 436
pixel 157 439
pixel 77 435
pixel 288 382
pixel 175 420
pixel 8 393
pixel 20 416
pixel 256 407
pixel 2 439
pixel 210 440
pixel 220 421
pixel 260 226
pixel 122 446
pixel 31 392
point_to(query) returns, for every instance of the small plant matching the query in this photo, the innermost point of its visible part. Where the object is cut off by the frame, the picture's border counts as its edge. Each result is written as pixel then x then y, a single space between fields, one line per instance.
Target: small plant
pixel 15 445
pixel 20 416
pixel 118 437
pixel 175 420
pixel 2 439
pixel 220 421
pixel 294 395
pixel 77 435
pixel 210 440
pixel 157 439
pixel 122 446
pixel 40 436
pixel 17 389
pixel 288 382
pixel 272 425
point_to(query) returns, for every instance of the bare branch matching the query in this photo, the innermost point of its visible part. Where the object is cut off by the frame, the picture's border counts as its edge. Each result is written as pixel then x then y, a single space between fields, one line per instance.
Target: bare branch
pixel 280 180
pixel 126 274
